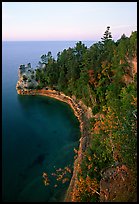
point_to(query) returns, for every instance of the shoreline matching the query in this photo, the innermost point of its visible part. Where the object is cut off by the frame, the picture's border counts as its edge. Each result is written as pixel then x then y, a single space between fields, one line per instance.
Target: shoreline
pixel 82 113
pixel 79 111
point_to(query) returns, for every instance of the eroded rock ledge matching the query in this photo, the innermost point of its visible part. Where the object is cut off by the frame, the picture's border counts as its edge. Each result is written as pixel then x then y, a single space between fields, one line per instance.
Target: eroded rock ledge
pixel 114 180
pixel 27 85
pixel 27 77
pixel 83 114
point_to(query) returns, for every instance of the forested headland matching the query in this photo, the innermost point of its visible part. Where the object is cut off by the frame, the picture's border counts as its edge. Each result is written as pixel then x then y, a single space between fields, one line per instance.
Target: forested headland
pixel 103 77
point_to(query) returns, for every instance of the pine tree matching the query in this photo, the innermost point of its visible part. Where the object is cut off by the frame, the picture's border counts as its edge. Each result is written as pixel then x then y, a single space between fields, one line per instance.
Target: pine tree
pixel 107 35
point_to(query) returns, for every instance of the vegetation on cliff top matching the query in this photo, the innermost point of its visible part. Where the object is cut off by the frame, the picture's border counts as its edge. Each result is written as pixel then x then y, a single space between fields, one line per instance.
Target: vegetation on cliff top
pixel 103 77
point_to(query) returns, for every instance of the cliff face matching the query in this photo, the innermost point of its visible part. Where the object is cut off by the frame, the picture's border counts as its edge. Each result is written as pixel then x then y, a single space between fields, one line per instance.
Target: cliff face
pixel 131 70
pixel 27 77
pixel 116 182
pixel 82 112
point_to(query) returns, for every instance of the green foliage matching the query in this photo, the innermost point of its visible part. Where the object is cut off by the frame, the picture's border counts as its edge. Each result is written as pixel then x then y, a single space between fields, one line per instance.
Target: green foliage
pixel 40 85
pixel 32 76
pixel 95 110
pixel 92 121
pixel 107 35
pixel 46 58
pixel 95 75
pixel 25 77
pixel 133 44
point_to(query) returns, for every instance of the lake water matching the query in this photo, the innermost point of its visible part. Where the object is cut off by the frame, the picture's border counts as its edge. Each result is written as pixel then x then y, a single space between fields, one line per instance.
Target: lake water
pixel 38 133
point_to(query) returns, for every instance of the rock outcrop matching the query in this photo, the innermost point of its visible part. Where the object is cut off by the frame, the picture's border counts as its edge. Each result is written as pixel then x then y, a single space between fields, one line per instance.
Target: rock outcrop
pixel 82 112
pixel 114 180
pixel 27 77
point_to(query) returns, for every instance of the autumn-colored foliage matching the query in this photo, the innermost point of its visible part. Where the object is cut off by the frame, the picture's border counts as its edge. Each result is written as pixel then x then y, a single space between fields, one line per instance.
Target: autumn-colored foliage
pixel 104 79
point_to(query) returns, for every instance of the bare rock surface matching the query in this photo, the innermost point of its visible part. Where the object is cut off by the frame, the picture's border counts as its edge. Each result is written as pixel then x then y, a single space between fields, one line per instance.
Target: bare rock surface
pixel 27 77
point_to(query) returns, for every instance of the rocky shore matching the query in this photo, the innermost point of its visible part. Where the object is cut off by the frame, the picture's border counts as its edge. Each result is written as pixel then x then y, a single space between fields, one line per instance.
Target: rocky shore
pixel 114 184
pixel 83 114
pixel 27 85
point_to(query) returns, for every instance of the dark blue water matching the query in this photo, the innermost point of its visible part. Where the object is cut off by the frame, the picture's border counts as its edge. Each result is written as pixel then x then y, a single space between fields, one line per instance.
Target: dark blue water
pixel 38 133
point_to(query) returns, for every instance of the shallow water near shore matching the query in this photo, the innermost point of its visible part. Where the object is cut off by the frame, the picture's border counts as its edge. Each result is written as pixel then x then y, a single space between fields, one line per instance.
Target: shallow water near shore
pixel 41 139
pixel 39 134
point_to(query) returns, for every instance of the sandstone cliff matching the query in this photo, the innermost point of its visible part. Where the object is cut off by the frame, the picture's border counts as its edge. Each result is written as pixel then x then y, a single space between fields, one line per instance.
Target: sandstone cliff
pixel 27 77
pixel 82 112
pixel 114 179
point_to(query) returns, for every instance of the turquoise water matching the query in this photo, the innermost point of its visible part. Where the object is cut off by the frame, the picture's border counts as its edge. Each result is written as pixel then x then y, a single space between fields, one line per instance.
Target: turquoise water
pixel 38 133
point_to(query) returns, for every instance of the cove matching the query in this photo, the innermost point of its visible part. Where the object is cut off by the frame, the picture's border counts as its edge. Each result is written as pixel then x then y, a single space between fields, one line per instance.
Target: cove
pixel 25 133
pixel 43 139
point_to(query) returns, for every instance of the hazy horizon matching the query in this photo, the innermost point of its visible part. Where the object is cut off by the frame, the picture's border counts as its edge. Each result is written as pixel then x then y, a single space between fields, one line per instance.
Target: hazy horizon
pixel 67 21
pixel 45 40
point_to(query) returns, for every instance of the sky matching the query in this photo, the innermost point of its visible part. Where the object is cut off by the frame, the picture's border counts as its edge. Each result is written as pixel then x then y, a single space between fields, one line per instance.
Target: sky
pixel 40 21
